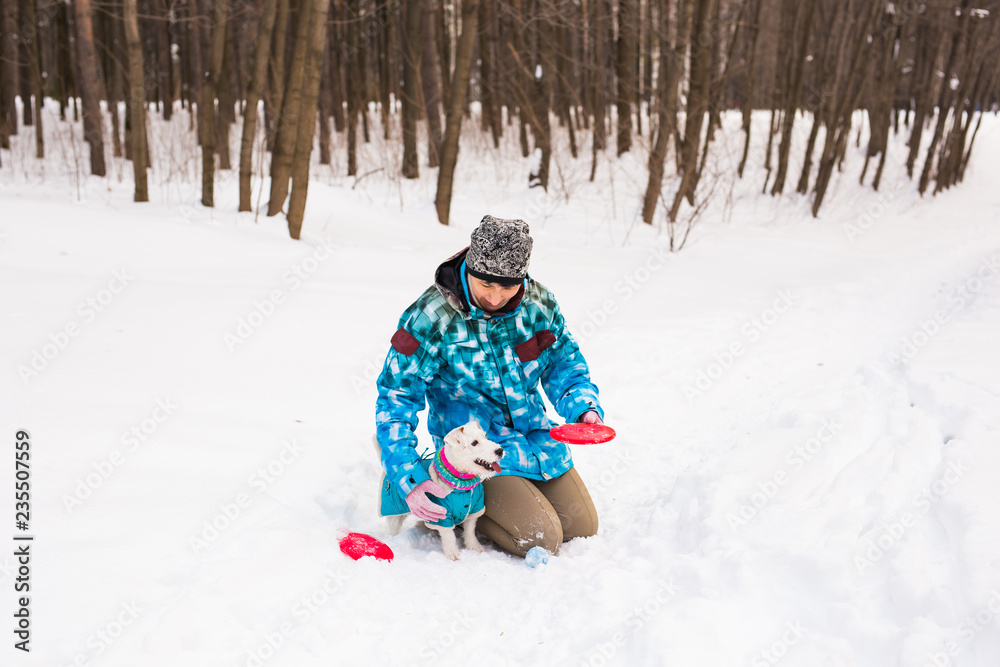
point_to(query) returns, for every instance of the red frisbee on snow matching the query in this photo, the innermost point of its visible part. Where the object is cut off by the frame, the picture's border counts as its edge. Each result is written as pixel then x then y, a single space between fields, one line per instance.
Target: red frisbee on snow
pixel 583 434
pixel 359 545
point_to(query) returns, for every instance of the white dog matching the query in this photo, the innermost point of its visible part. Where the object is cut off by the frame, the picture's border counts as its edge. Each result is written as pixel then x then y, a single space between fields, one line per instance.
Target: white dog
pixel 459 468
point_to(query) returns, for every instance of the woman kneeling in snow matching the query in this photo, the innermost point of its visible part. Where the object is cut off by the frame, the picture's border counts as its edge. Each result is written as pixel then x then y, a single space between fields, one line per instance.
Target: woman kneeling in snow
pixel 476 345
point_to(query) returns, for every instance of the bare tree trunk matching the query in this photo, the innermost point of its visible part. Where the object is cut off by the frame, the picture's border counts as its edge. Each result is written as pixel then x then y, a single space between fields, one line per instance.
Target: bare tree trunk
pixel 334 54
pixel 180 65
pixel 197 60
pixel 363 80
pixel 30 33
pixel 292 112
pixel 213 44
pixel 794 93
pixel 671 62
pixel 697 106
pixel 326 102
pixel 566 97
pixel 987 99
pixel 623 66
pixel 8 71
pixel 487 78
pixel 65 80
pixel 274 94
pixel 89 92
pixel 225 115
pixel 383 55
pixel 640 42
pixel 947 94
pixel 456 104
pixel 24 66
pixel 821 100
pixel 238 53
pixel 412 57
pixel 115 78
pixel 748 101
pixel 719 77
pixel 923 81
pixel 599 29
pixel 886 99
pixel 542 129
pixel 163 57
pixel 432 92
pixel 137 97
pixel 444 53
pixel 522 73
pixel 972 78
pixel 353 86
pixel 837 129
pixel 307 122
pixel 257 82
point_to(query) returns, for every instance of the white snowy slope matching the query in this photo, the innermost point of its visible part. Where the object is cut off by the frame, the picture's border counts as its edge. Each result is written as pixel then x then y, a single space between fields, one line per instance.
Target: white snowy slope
pixel 807 416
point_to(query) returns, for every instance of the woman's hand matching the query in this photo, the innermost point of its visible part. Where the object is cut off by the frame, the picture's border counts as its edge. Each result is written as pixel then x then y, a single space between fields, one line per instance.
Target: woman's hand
pixel 423 507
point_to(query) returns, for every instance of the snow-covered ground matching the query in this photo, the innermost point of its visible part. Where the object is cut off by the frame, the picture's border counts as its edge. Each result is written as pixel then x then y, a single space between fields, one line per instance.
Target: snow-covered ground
pixel 807 415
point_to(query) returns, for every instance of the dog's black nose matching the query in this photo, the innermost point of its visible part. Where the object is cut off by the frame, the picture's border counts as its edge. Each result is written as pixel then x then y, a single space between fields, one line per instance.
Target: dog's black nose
pixel 499 452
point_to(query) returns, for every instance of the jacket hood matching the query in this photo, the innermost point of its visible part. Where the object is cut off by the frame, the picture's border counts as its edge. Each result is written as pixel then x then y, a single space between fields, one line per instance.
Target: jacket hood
pixel 448 279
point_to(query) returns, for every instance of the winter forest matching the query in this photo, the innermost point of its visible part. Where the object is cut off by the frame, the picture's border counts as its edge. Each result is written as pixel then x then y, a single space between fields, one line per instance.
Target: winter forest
pixel 594 75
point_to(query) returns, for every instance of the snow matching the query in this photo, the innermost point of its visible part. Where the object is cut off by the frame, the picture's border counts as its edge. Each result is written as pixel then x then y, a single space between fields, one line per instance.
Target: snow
pixel 806 413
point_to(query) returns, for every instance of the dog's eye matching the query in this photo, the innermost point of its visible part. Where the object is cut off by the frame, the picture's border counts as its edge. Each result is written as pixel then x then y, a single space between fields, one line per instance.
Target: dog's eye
pixel 475 442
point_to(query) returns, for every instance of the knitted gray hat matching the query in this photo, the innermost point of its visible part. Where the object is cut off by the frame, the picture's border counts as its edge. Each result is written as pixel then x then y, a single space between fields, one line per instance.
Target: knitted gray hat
pixel 500 251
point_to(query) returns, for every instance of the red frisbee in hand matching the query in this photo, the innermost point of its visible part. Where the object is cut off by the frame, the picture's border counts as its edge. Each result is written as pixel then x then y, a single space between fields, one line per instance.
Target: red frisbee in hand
pixel 359 545
pixel 583 434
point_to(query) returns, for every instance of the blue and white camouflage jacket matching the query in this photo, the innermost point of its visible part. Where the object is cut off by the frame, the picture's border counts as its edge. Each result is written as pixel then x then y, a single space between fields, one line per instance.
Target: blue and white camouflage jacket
pixel 464 364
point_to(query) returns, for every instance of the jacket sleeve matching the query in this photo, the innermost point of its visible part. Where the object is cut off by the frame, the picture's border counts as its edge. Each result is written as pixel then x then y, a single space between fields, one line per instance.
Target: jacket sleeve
pixel 402 389
pixel 566 378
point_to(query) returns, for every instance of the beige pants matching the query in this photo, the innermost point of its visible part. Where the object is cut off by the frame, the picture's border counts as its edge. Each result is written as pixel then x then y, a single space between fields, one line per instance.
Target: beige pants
pixel 523 513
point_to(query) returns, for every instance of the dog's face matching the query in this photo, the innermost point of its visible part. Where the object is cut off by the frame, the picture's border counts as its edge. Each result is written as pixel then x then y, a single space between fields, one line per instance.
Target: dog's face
pixel 471 453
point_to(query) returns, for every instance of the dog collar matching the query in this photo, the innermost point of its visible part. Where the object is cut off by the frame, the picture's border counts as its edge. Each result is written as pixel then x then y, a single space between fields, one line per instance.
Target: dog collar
pixel 451 477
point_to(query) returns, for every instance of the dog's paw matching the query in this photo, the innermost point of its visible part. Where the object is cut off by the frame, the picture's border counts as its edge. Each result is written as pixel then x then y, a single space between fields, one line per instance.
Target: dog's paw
pixel 472 544
pixel 453 556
